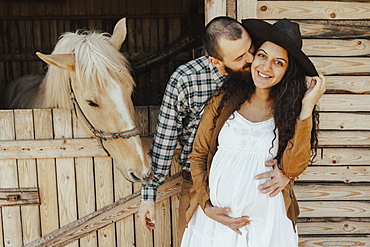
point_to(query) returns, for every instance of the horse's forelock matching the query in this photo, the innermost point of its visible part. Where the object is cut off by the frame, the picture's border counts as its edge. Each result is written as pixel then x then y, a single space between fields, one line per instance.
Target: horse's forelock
pixel 97 62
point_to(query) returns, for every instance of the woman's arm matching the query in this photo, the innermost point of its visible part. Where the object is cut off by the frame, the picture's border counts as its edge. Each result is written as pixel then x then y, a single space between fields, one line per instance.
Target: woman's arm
pixel 297 153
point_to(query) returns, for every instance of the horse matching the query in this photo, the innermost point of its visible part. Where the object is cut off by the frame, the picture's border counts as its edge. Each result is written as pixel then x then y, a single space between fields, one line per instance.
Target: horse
pixel 87 74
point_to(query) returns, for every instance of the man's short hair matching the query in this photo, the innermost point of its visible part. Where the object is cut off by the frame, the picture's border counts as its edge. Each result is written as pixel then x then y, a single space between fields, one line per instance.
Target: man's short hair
pixel 220 27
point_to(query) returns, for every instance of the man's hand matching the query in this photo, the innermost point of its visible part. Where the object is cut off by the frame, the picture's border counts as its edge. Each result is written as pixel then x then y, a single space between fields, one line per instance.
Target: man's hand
pixel 147 215
pixel 218 214
pixel 278 179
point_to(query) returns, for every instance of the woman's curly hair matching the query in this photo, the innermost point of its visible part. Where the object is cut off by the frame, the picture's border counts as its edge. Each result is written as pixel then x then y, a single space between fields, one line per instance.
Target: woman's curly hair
pixel 287 98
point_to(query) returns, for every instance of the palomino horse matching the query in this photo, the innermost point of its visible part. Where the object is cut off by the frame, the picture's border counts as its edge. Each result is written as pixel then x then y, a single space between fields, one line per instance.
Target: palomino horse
pixel 87 74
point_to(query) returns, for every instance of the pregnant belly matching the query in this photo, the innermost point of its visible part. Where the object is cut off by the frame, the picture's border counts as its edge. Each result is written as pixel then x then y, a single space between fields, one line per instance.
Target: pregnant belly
pixel 233 184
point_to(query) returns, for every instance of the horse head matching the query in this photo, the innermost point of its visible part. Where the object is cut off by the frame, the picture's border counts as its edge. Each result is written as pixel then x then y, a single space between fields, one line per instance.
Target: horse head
pixel 89 67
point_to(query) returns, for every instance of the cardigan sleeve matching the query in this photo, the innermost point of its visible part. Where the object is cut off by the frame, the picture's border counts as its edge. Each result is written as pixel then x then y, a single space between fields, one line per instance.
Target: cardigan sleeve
pixel 297 153
pixel 201 149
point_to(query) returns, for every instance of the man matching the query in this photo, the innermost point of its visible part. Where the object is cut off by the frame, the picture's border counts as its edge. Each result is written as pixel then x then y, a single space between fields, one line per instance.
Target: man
pixel 230 52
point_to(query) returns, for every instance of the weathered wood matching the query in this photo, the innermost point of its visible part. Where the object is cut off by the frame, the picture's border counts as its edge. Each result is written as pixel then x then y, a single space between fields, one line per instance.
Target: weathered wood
pixel 339 29
pixel 334 241
pixel 344 156
pixel 345 227
pixel 339 66
pixel 344 138
pixel 124 227
pixel 27 173
pixel 104 196
pixel 11 216
pixel 142 121
pixel 334 209
pixel 24 196
pixel 46 174
pixel 348 84
pixel 154 112
pixel 246 9
pixel 344 121
pixel 331 192
pixel 86 194
pixel 51 148
pixel 336 47
pixel 344 102
pixel 104 216
pixel 347 174
pixel 313 10
pixel 213 9
pixel 65 171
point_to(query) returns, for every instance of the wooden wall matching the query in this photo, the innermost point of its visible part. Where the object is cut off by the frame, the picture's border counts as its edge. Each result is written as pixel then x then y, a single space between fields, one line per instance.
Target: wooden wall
pixel 28 26
pixel 333 193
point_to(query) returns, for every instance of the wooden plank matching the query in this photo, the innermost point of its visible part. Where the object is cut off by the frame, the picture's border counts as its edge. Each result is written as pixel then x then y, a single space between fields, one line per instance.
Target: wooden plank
pixel 347 226
pixel 231 8
pixel 348 84
pixel 344 102
pixel 344 138
pixel 334 241
pixel 339 29
pixel 142 121
pixel 331 192
pixel 336 47
pixel 102 217
pixel 125 227
pixel 104 196
pixel 213 9
pixel 246 9
pixel 86 195
pixel 344 121
pixel 66 181
pixel 163 223
pixel 313 10
pixel 27 173
pixel 347 174
pixel 46 174
pixel 334 209
pixel 26 196
pixel 10 216
pixel 49 148
pixel 153 118
pixel 344 156
pixel 340 66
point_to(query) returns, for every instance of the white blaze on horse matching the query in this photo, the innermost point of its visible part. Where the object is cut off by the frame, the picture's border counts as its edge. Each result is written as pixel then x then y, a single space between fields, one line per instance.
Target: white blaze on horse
pixel 87 74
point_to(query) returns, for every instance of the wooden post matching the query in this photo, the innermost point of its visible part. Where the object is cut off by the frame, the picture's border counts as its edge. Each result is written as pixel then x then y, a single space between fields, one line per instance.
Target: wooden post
pixel 214 8
pixel 246 9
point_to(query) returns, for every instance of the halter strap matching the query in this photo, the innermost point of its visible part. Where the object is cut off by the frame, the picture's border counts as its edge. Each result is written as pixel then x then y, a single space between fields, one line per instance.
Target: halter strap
pixel 103 136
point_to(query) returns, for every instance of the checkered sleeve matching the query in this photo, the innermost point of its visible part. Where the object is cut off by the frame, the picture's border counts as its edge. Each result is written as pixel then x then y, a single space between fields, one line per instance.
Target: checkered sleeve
pixel 169 127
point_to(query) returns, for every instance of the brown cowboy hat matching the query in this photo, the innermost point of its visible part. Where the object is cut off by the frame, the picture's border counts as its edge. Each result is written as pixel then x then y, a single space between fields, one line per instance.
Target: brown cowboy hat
pixel 283 33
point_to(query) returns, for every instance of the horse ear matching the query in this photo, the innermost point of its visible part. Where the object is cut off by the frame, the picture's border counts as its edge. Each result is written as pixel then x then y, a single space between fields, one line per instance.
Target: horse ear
pixel 64 61
pixel 119 34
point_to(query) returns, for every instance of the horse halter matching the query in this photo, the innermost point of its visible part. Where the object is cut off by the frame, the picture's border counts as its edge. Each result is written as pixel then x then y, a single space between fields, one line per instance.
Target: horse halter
pixel 102 136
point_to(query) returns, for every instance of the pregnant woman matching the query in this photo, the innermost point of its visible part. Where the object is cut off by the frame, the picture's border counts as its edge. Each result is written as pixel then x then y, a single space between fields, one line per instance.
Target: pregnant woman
pixel 268 115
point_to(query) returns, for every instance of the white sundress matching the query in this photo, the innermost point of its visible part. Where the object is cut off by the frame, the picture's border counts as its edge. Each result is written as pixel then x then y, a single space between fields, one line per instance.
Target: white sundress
pixel 243 148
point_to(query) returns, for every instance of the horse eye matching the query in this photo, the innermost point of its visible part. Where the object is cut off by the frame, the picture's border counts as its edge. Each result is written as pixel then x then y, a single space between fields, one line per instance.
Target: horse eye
pixel 92 103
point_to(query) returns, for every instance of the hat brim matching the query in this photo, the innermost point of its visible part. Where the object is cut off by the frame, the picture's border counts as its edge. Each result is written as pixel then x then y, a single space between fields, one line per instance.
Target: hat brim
pixel 261 30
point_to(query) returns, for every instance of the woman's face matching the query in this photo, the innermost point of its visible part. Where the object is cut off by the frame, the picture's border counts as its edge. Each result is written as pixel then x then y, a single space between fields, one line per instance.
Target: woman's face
pixel 269 65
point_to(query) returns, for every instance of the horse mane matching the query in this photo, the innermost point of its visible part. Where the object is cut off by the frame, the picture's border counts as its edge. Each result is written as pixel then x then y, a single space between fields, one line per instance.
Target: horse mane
pixel 97 63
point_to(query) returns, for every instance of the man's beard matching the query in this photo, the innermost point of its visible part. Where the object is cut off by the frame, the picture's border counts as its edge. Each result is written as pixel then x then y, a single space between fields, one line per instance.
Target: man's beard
pixel 239 74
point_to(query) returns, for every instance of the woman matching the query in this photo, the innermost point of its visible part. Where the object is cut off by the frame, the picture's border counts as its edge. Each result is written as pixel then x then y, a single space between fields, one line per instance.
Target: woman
pixel 245 125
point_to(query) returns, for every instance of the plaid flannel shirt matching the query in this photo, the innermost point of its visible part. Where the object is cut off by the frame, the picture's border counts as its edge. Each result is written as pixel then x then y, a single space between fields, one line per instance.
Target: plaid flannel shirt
pixel 187 92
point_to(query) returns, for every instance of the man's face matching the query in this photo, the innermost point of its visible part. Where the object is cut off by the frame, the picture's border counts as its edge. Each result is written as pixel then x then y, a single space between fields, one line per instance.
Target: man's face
pixel 237 55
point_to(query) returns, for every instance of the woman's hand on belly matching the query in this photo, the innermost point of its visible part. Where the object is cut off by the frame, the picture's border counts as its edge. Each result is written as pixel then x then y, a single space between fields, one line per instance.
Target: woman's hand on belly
pixel 219 215
pixel 277 182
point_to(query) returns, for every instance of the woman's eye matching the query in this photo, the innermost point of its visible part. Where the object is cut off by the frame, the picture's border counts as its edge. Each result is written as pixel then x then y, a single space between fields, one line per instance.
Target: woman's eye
pixel 92 103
